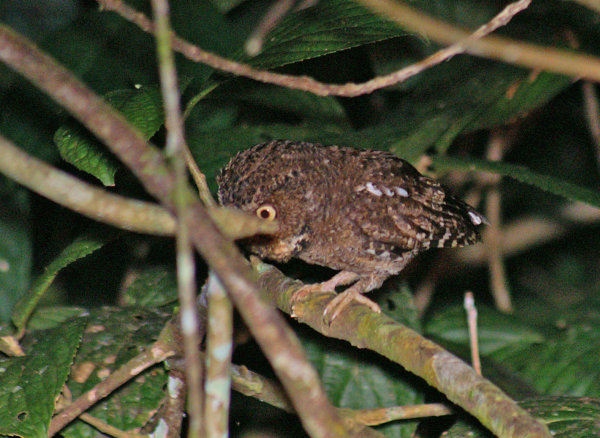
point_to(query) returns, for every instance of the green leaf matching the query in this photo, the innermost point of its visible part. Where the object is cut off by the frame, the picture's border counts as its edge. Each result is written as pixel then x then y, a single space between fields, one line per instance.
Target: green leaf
pixel 327 27
pixel 141 107
pixel 520 173
pixel 80 149
pixel 15 245
pixel 114 336
pixel 566 417
pixel 29 385
pixel 44 318
pixel 359 379
pixel 79 249
pixel 153 287
pixel 397 303
pixel 462 95
pixel 496 331
pixel 565 364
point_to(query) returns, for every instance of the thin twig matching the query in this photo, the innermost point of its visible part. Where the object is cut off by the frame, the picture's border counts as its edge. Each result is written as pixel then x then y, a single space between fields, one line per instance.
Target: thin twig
pixel 577 65
pixel 199 178
pixel 254 385
pixel 186 267
pixel 219 348
pixel 175 403
pixel 101 205
pixel 375 417
pixel 109 430
pixel 472 324
pixel 493 47
pixel 276 11
pixel 257 386
pixel 591 4
pixel 156 353
pixel 497 145
pixel 592 114
pixel 426 288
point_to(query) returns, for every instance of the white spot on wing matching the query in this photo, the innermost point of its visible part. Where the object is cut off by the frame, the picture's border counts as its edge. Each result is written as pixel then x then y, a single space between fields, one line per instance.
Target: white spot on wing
pixel 475 218
pixel 387 191
pixel 373 190
pixel 402 192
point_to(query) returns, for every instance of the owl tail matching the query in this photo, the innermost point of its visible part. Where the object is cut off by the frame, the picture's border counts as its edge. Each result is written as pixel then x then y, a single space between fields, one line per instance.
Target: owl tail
pixel 457 223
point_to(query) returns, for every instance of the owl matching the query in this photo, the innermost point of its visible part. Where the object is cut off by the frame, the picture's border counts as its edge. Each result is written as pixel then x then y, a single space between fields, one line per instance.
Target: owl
pixel 365 213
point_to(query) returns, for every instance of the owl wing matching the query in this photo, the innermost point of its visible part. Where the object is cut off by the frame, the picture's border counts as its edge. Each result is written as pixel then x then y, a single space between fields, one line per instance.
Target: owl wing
pixel 393 203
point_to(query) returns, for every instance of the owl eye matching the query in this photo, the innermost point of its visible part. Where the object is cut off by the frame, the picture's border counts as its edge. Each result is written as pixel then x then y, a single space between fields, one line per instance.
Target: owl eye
pixel 266 212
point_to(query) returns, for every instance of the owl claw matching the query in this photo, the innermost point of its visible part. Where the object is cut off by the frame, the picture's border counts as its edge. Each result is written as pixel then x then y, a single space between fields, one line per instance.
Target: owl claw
pixel 342 300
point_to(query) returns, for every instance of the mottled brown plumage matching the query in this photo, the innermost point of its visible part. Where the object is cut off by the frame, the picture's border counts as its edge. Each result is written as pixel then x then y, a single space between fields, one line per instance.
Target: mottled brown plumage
pixel 366 213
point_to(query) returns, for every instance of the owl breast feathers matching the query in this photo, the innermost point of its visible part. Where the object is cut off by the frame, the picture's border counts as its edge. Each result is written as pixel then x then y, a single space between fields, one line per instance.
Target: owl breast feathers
pixel 364 212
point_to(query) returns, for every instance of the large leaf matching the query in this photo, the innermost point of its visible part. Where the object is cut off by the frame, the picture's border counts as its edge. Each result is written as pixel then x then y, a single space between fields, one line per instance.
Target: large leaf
pixel 302 104
pixel 566 363
pixel 81 248
pixel 566 417
pixel 327 27
pixel 520 173
pixel 496 331
pixel 104 50
pixel 112 338
pixel 143 109
pixel 29 385
pixel 358 379
pixel 464 95
pixel 152 287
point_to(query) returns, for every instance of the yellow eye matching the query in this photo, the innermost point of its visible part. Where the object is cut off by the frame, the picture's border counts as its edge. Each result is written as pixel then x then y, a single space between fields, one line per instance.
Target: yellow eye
pixel 266 212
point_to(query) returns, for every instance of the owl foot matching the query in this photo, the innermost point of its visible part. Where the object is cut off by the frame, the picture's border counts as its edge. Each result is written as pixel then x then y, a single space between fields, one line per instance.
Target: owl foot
pixel 340 279
pixel 343 299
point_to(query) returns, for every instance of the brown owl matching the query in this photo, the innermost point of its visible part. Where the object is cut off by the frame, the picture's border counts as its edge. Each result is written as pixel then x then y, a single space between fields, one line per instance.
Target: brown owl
pixel 365 213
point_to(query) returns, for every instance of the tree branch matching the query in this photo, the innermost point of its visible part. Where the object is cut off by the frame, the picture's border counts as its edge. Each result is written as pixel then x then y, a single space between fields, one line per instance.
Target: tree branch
pixel 186 265
pixel 420 356
pixel 103 206
pixel 84 198
pixel 276 339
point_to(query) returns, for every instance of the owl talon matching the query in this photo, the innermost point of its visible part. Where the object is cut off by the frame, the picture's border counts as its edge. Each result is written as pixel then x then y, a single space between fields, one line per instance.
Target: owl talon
pixel 343 299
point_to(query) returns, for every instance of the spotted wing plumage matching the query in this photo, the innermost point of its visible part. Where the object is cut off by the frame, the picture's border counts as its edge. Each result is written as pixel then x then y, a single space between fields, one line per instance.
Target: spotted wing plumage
pixel 396 205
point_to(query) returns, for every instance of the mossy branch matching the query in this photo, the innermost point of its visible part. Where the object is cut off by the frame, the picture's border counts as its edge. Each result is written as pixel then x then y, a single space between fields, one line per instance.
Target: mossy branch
pixel 363 328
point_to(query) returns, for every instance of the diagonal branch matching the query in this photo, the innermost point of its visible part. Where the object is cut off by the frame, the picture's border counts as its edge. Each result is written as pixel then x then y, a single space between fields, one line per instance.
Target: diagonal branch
pixel 103 206
pixel 268 327
pixel 420 356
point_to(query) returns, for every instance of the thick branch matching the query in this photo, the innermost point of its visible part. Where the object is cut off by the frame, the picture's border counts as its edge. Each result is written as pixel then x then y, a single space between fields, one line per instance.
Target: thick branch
pixel 440 369
pixel 82 197
pixel 103 206
pixel 276 339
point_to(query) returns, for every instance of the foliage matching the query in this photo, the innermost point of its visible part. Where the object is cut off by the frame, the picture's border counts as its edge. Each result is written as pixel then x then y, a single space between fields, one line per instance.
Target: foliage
pixel 85 305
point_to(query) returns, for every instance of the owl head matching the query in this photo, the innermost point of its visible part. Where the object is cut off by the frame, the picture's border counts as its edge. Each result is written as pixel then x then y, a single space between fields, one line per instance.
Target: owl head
pixel 269 180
